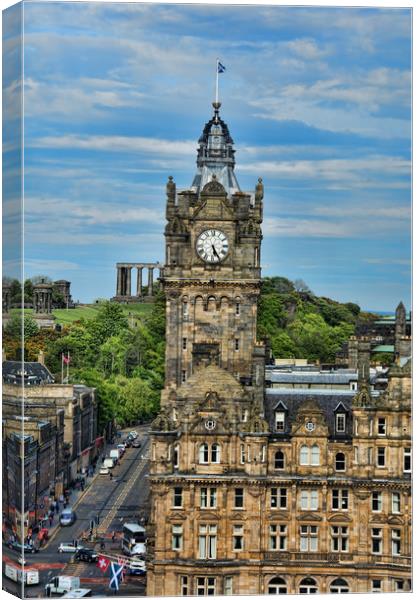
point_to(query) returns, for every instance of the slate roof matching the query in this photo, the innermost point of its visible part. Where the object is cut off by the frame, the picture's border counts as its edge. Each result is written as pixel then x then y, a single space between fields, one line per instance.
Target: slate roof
pixel 327 401
pixel 318 377
pixel 34 373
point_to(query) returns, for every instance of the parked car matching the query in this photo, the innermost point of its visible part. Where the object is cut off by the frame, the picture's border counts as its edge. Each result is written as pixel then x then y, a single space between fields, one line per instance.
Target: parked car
pixel 137 567
pixel 121 448
pixel 108 462
pixel 104 471
pixel 67 517
pixel 133 434
pixel 86 555
pixel 69 547
pixel 136 444
pixel 22 548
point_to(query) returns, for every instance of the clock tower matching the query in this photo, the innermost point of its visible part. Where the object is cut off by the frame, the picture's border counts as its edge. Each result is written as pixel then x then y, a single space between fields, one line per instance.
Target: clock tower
pixel 212 409
pixel 211 276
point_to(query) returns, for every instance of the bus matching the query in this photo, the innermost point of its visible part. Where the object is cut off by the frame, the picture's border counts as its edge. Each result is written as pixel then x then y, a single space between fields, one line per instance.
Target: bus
pixel 133 539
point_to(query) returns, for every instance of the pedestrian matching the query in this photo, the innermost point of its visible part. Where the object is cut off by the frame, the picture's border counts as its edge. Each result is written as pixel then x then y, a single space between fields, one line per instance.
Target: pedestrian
pixel 82 485
pixel 51 519
pixel 102 545
pixel 110 475
pixel 61 499
pixel 113 537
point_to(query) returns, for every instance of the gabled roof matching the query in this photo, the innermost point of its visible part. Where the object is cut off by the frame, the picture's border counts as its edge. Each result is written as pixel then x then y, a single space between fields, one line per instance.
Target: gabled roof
pixel 29 373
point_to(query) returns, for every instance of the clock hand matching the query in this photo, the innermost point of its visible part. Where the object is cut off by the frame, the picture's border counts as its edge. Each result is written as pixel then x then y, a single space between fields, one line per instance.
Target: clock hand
pixel 214 251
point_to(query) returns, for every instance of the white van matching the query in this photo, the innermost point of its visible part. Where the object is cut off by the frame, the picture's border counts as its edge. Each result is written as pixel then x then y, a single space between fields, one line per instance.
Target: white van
pixel 115 454
pixel 30 576
pixel 62 584
pixel 108 462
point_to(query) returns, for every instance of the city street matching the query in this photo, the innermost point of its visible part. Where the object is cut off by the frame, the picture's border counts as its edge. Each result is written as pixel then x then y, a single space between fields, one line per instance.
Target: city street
pixel 111 502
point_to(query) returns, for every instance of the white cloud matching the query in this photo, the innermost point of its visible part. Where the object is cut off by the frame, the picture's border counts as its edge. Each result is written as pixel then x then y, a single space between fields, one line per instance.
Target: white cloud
pixel 345 172
pixel 307 48
pixel 388 261
pixel 114 143
pixel 89 213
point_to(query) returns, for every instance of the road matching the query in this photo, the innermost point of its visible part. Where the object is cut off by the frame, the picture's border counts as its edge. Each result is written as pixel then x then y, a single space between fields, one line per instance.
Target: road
pixel 114 502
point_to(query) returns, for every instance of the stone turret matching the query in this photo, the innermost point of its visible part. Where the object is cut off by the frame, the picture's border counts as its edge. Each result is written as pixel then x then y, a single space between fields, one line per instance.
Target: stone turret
pixel 400 327
pixel 215 155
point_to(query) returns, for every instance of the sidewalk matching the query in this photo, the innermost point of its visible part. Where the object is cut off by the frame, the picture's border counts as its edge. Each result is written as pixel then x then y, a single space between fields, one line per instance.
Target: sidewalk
pixel 76 496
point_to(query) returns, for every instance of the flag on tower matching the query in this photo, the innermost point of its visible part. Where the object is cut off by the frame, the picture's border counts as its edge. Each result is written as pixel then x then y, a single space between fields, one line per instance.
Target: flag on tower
pixel 221 68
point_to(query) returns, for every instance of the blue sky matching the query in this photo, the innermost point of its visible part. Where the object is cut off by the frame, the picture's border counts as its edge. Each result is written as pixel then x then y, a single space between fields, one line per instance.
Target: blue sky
pixel 317 101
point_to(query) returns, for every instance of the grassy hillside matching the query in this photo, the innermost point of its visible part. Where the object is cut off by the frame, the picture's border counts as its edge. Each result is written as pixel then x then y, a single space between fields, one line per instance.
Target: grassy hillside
pixel 90 311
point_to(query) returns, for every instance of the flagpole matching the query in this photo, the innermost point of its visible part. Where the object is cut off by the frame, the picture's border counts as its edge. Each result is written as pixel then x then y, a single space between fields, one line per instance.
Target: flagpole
pixel 68 366
pixel 62 367
pixel 217 78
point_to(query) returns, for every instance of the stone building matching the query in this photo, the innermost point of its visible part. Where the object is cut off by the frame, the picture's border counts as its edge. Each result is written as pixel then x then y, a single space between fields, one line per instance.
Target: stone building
pixel 260 491
pixel 63 288
pixel 39 443
pixel 59 418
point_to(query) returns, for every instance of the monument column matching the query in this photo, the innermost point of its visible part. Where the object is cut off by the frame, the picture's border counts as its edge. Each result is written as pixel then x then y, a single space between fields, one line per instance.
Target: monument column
pixel 119 282
pixel 128 281
pixel 150 280
pixel 139 282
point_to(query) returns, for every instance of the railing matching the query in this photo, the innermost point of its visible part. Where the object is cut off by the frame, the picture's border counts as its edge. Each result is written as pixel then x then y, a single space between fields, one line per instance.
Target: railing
pixel 337 557
pixel 309 556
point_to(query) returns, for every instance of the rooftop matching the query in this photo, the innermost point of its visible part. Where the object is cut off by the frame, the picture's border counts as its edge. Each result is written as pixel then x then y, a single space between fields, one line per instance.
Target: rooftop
pixel 29 373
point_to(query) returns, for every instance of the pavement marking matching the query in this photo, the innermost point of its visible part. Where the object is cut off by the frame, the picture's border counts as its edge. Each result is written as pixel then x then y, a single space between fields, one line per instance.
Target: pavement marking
pixel 124 493
pixel 38 566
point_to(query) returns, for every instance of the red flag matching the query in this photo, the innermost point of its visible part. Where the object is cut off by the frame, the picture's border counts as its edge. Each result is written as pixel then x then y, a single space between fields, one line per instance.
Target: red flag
pixel 66 359
pixel 103 563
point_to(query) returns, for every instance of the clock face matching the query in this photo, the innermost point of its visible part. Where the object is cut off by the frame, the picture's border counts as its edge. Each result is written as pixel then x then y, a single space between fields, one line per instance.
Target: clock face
pixel 212 246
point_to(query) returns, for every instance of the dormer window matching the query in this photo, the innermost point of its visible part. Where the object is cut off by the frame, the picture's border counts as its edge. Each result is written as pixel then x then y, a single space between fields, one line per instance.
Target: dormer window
pixel 280 418
pixel 340 422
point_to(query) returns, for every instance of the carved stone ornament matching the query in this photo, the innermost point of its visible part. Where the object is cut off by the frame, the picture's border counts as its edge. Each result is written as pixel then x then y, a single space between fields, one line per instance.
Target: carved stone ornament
pixel 163 422
pixel 171 188
pixel 211 400
pixel 363 397
pixel 259 190
pixel 214 187
pixel 255 423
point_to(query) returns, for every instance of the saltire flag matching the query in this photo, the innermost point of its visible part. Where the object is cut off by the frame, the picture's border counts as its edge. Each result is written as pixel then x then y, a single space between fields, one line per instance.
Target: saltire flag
pixel 115 575
pixel 103 563
pixel 221 68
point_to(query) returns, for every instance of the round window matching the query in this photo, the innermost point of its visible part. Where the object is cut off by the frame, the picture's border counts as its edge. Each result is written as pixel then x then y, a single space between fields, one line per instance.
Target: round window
pixel 310 426
pixel 210 424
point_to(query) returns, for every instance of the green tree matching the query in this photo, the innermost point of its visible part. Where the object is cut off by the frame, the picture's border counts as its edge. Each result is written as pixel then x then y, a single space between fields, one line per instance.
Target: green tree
pixel 15 293
pixel 109 321
pixel 28 290
pixel 13 328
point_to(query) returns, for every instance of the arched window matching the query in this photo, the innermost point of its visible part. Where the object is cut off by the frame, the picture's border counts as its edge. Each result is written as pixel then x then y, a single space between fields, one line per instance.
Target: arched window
pixel 277 585
pixel 339 586
pixel 304 455
pixel 315 455
pixel 215 455
pixel 308 586
pixel 279 460
pixel 204 454
pixel 340 461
